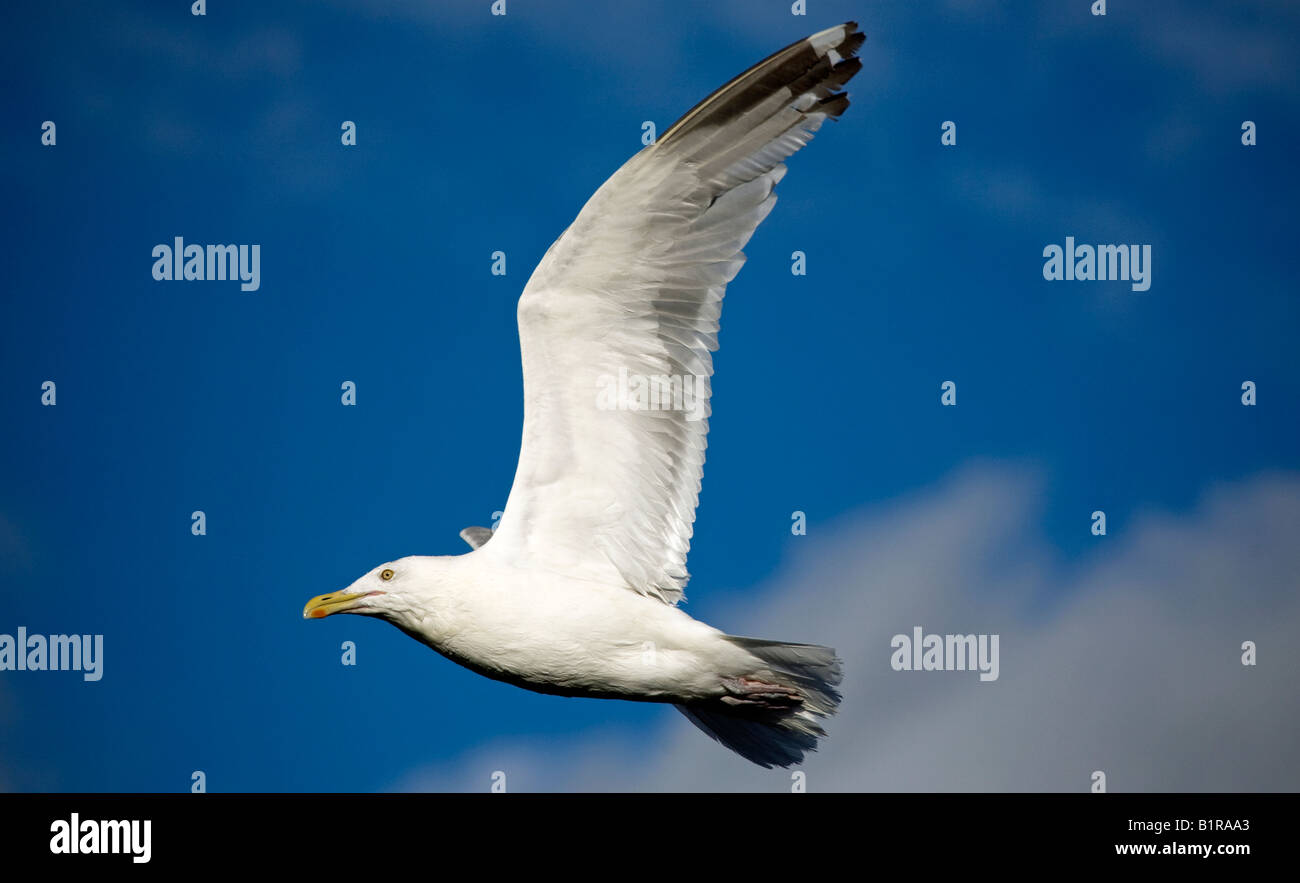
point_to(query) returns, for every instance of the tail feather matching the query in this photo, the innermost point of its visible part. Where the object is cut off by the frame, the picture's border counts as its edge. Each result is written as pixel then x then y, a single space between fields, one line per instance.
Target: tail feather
pixel 778 732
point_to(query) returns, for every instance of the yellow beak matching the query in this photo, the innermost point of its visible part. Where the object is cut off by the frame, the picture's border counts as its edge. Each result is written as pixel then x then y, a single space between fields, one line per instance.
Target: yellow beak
pixel 335 602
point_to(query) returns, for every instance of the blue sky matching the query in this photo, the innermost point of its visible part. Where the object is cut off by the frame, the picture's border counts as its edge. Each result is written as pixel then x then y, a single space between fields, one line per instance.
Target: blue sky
pixel 479 133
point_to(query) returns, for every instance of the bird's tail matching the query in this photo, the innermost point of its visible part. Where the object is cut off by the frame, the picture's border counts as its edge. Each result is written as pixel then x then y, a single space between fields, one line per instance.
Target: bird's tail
pixel 773 716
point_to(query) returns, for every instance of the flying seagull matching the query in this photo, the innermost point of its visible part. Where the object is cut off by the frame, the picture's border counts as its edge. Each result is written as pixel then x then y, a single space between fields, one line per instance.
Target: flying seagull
pixel 575 592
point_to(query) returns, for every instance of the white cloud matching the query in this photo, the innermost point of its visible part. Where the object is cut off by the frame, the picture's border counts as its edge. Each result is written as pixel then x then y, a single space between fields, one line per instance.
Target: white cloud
pixel 1128 662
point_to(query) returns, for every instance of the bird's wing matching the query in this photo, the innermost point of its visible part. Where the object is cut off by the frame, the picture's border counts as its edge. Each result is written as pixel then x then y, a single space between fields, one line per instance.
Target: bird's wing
pixel 619 319
pixel 476 536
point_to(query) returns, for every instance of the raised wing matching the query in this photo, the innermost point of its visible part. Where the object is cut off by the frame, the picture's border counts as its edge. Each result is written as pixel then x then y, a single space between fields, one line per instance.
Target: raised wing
pixel 619 319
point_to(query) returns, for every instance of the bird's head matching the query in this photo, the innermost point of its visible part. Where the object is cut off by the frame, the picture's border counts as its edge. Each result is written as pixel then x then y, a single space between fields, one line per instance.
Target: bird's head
pixel 381 592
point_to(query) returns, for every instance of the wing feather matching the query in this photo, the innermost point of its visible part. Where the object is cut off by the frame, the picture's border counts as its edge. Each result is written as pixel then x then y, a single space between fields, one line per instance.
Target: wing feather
pixel 629 297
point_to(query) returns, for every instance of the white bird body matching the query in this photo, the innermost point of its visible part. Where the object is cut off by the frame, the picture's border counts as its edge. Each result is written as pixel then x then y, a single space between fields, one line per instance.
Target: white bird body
pixel 558 634
pixel 575 592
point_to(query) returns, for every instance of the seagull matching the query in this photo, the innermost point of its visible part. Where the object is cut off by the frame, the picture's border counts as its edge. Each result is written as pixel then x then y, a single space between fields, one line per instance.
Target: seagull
pixel 575 592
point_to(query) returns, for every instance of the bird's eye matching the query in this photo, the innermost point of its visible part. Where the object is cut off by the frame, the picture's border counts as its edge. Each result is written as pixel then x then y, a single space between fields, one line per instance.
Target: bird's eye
pixel 386 574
